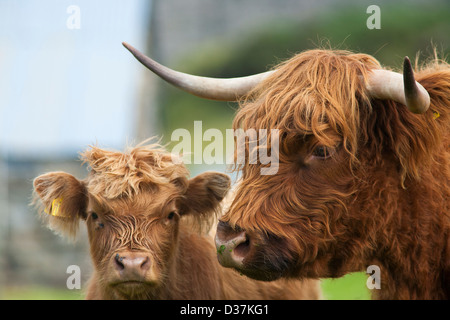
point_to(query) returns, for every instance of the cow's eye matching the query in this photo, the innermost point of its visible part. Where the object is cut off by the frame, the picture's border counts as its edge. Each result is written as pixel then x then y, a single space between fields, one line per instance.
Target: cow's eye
pixel 94 216
pixel 322 152
pixel 171 215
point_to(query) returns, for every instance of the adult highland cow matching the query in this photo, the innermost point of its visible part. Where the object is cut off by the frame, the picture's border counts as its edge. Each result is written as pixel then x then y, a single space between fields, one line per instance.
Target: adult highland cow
pixel 363 175
pixel 144 218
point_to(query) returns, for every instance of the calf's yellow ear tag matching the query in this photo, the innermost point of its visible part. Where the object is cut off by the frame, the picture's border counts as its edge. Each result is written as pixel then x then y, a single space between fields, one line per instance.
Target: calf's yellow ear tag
pixel 55 208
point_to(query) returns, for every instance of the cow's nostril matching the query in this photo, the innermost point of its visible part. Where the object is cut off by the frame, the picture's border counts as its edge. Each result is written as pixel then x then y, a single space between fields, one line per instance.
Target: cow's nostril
pixel 242 249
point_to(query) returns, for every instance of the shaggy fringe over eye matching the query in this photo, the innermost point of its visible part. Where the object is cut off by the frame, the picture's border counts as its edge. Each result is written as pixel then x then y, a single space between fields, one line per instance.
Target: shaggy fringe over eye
pixel 322 93
pixel 115 174
pixel 314 93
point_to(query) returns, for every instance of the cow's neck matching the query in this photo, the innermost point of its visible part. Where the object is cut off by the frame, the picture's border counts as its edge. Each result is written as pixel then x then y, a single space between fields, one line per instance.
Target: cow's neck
pixel 412 246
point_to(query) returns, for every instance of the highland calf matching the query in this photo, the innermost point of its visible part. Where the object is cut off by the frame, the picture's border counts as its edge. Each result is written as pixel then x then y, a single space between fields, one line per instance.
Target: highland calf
pixel 363 176
pixel 147 225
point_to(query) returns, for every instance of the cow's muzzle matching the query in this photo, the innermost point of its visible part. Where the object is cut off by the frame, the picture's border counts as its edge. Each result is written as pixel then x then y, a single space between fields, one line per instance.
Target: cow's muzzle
pixel 233 245
pixel 257 255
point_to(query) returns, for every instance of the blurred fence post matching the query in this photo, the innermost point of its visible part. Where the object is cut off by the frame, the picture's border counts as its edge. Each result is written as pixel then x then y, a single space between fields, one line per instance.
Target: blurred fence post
pixel 146 123
pixel 4 220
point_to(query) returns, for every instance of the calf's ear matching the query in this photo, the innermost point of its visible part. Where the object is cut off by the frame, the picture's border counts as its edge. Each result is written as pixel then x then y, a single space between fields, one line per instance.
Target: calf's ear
pixel 205 192
pixel 61 200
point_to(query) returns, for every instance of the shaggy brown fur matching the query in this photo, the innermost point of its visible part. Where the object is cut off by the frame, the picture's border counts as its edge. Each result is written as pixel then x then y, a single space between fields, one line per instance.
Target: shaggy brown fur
pixel 380 195
pixel 140 205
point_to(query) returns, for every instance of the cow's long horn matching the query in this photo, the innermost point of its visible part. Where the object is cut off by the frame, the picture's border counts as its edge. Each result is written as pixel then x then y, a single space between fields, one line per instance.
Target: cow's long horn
pixel 384 84
pixel 231 89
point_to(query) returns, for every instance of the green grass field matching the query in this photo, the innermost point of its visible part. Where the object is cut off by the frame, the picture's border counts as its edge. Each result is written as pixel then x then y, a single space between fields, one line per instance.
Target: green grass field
pixel 350 287
pixel 40 293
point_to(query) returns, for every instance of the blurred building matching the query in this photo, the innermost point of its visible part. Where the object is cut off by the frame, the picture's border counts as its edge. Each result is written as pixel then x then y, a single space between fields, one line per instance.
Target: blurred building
pixel 179 27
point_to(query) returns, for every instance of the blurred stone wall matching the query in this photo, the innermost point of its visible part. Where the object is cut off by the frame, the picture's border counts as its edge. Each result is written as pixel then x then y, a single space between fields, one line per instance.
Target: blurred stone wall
pixel 31 254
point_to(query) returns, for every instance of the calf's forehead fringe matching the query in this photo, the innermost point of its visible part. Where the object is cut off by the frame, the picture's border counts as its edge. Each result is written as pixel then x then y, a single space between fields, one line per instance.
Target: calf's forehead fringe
pixel 116 174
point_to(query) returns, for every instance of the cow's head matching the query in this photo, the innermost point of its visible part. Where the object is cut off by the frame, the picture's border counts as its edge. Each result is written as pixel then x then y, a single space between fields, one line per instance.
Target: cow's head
pixel 342 126
pixel 133 204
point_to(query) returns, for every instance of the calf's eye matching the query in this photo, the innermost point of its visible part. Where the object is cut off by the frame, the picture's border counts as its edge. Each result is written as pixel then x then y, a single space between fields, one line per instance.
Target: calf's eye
pixel 94 215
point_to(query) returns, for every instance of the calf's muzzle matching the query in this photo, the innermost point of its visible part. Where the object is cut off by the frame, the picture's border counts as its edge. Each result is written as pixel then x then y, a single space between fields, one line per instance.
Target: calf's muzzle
pixel 131 266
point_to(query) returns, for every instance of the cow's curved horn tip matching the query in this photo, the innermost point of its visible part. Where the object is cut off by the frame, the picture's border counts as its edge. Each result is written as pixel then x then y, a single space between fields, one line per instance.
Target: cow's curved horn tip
pixel 128 46
pixel 417 98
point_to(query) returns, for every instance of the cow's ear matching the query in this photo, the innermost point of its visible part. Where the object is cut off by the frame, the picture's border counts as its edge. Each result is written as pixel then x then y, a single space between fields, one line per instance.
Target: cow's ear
pixel 62 201
pixel 204 194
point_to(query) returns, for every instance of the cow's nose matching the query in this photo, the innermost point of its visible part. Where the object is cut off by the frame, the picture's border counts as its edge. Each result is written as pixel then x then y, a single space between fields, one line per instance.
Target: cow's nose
pixel 232 245
pixel 132 265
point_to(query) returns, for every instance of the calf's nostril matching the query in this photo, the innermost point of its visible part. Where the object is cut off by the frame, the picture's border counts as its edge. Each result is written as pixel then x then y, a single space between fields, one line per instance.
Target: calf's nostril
pixel 145 264
pixel 131 265
pixel 118 262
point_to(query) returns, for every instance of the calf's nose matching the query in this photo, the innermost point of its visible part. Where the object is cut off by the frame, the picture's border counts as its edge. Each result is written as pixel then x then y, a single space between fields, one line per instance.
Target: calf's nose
pixel 131 265
pixel 232 245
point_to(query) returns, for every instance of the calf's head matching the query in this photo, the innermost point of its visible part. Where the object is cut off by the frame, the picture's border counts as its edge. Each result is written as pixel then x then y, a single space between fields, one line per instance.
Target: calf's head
pixel 133 204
